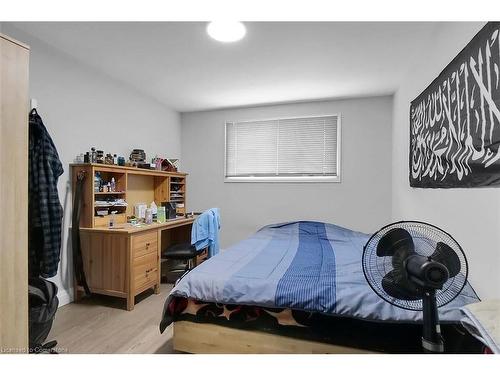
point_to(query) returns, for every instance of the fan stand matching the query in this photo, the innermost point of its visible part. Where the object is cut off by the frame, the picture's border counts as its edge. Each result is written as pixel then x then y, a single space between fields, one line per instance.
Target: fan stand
pixel 432 341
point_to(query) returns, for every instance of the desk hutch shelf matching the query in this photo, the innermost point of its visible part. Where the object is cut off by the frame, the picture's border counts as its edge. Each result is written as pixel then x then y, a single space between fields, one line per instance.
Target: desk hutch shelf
pixel 133 185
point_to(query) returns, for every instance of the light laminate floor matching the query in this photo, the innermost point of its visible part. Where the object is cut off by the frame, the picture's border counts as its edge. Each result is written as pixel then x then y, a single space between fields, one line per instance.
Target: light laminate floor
pixel 101 324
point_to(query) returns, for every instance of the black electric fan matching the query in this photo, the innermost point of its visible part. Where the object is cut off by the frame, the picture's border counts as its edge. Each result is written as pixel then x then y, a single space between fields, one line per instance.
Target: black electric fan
pixel 416 266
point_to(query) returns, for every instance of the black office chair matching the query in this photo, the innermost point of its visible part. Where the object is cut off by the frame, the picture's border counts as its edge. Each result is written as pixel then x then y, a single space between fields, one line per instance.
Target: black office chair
pixel 185 253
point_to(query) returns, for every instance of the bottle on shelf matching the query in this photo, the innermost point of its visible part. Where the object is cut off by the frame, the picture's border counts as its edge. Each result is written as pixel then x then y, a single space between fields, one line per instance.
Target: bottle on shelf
pixel 149 216
pixel 160 215
pixel 113 184
pixel 112 219
pixel 97 182
pixel 99 157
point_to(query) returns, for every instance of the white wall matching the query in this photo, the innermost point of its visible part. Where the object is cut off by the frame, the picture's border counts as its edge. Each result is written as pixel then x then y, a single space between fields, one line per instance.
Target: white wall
pixel 82 108
pixel 361 201
pixel 472 216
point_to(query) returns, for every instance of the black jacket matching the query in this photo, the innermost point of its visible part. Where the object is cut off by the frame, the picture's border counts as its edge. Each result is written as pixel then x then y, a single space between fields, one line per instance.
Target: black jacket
pixel 45 210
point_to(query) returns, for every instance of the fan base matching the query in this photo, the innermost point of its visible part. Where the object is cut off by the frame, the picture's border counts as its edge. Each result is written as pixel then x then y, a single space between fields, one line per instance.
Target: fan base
pixel 432 347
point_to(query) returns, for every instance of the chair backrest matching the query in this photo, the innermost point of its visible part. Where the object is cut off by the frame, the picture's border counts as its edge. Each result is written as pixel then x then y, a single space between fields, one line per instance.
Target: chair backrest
pixel 205 231
pixel 211 213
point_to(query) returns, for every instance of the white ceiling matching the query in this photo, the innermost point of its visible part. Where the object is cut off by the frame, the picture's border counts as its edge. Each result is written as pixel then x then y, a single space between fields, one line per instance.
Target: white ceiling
pixel 179 65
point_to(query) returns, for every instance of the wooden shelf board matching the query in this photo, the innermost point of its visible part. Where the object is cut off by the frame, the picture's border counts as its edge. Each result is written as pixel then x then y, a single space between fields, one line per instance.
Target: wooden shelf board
pixel 130 170
pixel 108 206
pixel 108 192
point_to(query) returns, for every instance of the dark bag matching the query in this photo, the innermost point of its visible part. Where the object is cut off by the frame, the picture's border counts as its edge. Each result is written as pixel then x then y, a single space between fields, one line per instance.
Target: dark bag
pixel 75 235
pixel 43 303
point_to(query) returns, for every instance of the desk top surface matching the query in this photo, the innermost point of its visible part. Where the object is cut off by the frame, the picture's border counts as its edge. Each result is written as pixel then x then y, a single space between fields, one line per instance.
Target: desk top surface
pixel 129 228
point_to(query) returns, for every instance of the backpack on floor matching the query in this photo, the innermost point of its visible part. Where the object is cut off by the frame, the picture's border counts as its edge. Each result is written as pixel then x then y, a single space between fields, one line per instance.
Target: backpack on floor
pixel 43 303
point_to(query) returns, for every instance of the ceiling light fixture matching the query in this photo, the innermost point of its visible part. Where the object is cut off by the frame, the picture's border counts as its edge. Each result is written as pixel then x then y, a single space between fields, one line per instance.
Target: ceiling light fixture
pixel 226 31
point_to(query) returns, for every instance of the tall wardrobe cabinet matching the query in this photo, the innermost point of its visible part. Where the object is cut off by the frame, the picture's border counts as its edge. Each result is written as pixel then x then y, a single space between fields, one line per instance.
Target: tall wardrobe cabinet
pixel 14 59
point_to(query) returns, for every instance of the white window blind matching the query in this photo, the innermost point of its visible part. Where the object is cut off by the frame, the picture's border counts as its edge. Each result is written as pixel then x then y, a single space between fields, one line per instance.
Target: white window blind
pixel 303 148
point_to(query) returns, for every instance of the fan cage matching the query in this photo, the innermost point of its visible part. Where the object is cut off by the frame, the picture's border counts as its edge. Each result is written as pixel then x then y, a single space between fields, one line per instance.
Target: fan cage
pixel 425 237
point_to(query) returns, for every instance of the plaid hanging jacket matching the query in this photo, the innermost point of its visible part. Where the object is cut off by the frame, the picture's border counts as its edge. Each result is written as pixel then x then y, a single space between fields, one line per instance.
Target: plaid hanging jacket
pixel 45 210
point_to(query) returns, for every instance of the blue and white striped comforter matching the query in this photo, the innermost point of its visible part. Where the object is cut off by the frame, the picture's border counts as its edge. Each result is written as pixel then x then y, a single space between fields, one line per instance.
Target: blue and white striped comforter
pixel 302 265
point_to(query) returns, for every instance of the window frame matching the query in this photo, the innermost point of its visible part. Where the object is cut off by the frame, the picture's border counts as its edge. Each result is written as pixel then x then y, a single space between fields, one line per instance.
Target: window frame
pixel 288 179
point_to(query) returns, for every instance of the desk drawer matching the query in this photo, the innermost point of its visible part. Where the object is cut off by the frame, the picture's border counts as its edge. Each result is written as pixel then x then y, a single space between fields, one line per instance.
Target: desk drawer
pixel 103 221
pixel 146 270
pixel 144 243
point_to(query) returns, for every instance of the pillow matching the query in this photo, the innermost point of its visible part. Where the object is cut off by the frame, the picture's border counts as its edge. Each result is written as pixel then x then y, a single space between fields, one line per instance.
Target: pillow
pixel 482 320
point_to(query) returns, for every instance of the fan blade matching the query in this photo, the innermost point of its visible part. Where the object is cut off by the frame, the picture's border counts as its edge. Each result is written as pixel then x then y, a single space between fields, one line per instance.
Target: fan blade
pixel 393 240
pixel 445 255
pixel 400 288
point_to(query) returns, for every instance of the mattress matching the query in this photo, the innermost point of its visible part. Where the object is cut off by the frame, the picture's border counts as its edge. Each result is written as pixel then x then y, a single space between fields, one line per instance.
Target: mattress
pixel 482 320
pixel 304 266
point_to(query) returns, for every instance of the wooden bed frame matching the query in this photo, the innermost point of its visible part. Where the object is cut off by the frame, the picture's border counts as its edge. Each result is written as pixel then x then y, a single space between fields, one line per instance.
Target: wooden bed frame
pixel 206 338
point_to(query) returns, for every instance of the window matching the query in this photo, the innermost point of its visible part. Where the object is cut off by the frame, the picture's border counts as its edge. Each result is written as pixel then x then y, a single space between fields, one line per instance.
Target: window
pixel 305 149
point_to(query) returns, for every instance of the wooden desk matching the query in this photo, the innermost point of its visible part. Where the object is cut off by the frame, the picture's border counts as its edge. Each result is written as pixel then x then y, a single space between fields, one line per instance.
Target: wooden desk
pixel 125 261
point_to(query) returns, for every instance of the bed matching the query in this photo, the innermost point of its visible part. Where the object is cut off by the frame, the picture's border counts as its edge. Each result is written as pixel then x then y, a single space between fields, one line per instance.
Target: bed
pixel 297 287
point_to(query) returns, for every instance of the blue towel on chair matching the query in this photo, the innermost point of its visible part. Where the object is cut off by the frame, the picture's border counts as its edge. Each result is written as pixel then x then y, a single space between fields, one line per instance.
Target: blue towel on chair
pixel 205 232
